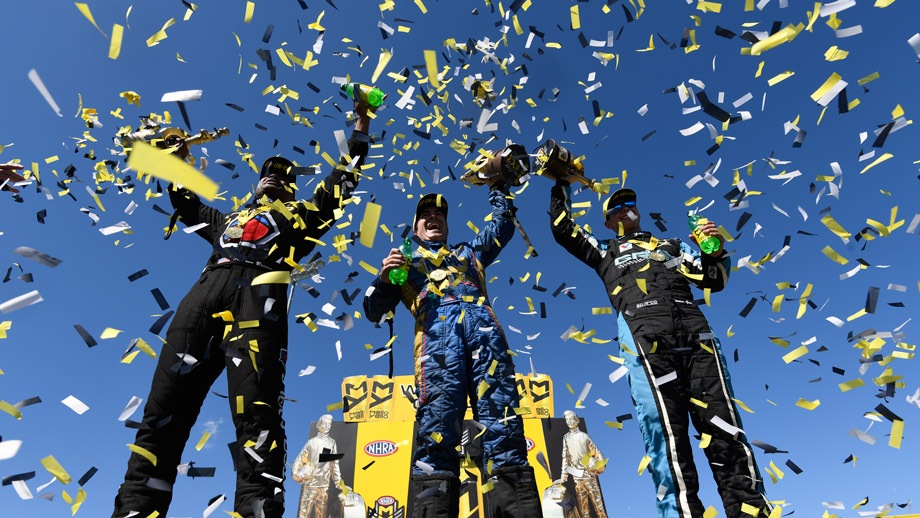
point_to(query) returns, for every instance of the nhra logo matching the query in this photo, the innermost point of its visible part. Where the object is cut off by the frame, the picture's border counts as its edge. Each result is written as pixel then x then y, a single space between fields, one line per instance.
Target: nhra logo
pixel 530 443
pixel 386 507
pixel 380 448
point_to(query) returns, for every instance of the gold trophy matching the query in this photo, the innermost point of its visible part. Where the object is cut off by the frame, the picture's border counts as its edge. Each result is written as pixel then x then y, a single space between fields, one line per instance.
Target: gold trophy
pixel 556 162
pixel 205 136
pixel 510 164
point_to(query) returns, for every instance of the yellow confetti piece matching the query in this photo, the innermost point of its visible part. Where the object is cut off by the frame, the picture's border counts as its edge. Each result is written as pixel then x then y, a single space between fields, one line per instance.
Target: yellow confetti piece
pixel 10 409
pixel 877 161
pixel 89 16
pixel 240 404
pixel 644 463
pixel 709 7
pixel 779 472
pixel 602 311
pixel 482 388
pixel 280 277
pixel 749 509
pixel 576 19
pixel 778 78
pixel 897 433
pixel 4 327
pixel 78 501
pixel 369 223
pixel 641 284
pixel 204 439
pixel 436 437
pixel 431 66
pixel 335 406
pixel 795 354
pixel 143 452
pixel 710 512
pixel 150 160
pixel 115 43
pixel 697 402
pixel 160 35
pixel 705 439
pixel 368 268
pixel 784 35
pixel 808 405
pixel 614 424
pixel 250 9
pixel 110 332
pixel 742 406
pixel 850 385
pixel 835 227
pixel 835 54
pixel 382 61
pixel 834 256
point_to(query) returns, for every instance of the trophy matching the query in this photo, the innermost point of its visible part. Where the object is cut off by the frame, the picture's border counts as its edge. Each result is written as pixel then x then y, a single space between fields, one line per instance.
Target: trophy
pixel 557 163
pixel 510 164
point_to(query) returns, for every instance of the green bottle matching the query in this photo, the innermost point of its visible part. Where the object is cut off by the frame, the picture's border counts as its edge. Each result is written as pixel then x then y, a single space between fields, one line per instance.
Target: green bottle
pixel 369 95
pixel 708 244
pixel 399 275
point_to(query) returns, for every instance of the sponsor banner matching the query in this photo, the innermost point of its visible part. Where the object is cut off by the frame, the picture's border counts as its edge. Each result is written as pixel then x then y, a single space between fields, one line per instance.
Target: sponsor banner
pixel 380 398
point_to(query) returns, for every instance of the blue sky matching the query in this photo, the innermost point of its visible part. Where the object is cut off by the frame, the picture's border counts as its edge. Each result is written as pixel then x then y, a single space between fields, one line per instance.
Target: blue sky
pixel 43 355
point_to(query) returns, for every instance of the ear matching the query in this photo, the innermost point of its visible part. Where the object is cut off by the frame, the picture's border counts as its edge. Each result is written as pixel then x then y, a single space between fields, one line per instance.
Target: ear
pixel 609 223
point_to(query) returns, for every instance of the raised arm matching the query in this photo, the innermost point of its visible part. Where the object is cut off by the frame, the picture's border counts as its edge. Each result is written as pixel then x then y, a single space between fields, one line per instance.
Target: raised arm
pixel 571 236
pixel 193 212
pixel 499 230
pixel 330 196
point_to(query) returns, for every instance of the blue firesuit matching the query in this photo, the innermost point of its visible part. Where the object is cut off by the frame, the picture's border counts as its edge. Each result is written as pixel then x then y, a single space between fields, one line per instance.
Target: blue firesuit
pixel 460 348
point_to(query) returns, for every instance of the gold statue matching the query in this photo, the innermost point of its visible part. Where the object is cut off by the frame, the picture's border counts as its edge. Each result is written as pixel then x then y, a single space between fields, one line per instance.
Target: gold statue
pixel 315 474
pixel 583 461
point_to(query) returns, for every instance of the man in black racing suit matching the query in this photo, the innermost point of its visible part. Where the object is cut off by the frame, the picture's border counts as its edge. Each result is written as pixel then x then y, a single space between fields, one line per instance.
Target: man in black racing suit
pixel 675 363
pixel 235 317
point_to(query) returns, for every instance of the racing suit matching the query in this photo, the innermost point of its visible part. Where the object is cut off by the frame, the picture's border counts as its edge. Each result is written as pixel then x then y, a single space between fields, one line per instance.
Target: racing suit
pixel 227 320
pixel 676 366
pixel 460 347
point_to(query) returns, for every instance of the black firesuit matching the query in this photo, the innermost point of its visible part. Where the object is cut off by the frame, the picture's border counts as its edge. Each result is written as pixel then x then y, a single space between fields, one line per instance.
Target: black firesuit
pixel 675 363
pixel 227 320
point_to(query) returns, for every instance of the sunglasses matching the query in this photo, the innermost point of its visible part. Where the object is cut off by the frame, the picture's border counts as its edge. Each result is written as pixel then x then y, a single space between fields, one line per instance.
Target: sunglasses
pixel 620 206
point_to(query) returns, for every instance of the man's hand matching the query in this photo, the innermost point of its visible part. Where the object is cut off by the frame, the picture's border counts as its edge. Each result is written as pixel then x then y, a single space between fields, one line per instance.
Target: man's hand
pixel 8 172
pixel 710 229
pixel 363 120
pixel 394 261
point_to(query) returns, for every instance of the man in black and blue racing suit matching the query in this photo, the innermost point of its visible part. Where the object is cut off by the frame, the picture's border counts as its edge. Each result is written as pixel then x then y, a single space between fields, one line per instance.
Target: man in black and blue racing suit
pixel 460 354
pixel 677 371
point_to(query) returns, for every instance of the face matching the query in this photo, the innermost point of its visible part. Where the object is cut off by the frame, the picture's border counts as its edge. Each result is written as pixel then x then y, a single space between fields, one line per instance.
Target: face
pixel 431 225
pixel 276 186
pixel 623 215
pixel 324 424
pixel 571 420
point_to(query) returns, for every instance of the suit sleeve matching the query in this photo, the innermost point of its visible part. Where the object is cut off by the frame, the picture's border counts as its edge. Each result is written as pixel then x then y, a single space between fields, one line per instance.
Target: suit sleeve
pixel 571 236
pixel 193 212
pixel 498 231
pixel 330 196
pixel 714 270
pixel 380 299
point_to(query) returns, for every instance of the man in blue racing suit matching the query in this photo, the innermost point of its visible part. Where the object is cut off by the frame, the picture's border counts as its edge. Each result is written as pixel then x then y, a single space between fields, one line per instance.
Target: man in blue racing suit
pixel 460 353
pixel 676 366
